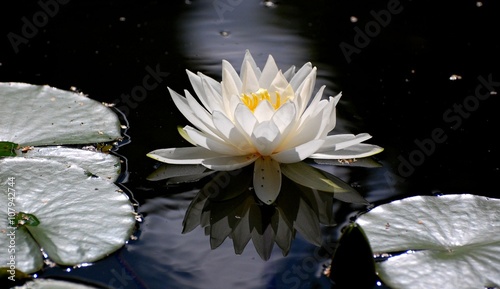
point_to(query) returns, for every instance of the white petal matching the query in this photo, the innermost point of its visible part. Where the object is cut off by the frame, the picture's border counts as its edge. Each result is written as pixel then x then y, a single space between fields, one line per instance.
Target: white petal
pixel 269 72
pixel 329 120
pixel 211 143
pixel 279 84
pixel 355 151
pixel 314 103
pixel 301 74
pixel 200 112
pixel 340 141
pixel 230 132
pixel 212 97
pixel 187 155
pixel 198 88
pixel 229 163
pixel 249 61
pixel 298 153
pixel 267 179
pixel 229 91
pixel 233 102
pixel 231 72
pixel 264 111
pixel 250 81
pixel 337 98
pixel 289 73
pixel 183 106
pixel 245 119
pixel 284 117
pixel 332 117
pixel 304 92
pixel 266 137
pixel 306 131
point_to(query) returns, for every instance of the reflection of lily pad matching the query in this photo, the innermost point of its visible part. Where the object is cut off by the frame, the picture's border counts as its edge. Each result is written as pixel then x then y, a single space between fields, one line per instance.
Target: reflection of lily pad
pixel 82 218
pixel 451 241
pixel 43 115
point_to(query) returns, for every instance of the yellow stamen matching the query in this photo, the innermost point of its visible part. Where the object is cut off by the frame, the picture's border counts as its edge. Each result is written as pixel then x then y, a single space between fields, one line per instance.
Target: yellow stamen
pixel 253 99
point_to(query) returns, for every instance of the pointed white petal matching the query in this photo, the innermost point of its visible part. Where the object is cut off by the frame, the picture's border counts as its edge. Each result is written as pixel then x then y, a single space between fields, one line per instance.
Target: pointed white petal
pixel 187 155
pixel 229 163
pixel 249 61
pixel 250 81
pixel 230 132
pixel 231 72
pixel 306 131
pixel 201 113
pixel 289 73
pixel 329 120
pixel 304 92
pixel 298 153
pixel 182 104
pixel 212 97
pixel 207 98
pixel 233 102
pixel 336 98
pixel 340 141
pixel 332 117
pixel 267 179
pixel 198 88
pixel 284 117
pixel 355 151
pixel 314 103
pixel 185 136
pixel 269 72
pixel 245 119
pixel 301 74
pixel 211 143
pixel 279 84
pixel 265 137
pixel 229 90
pixel 264 111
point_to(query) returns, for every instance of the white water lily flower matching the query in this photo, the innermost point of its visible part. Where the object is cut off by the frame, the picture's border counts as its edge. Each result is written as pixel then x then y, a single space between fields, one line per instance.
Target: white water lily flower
pixel 265 117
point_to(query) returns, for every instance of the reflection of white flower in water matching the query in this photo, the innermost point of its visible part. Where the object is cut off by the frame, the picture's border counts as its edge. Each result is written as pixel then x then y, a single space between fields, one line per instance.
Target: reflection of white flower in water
pixel 265 117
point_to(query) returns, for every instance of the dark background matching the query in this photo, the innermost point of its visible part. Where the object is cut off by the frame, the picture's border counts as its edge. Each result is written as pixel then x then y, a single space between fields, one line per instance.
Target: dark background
pixel 396 87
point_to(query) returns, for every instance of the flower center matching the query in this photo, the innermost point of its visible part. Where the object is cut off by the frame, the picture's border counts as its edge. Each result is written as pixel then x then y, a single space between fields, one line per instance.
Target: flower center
pixel 253 99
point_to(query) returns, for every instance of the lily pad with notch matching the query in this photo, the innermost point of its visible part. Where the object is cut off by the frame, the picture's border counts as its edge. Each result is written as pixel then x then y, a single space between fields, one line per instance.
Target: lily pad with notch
pixel 81 219
pixel 449 241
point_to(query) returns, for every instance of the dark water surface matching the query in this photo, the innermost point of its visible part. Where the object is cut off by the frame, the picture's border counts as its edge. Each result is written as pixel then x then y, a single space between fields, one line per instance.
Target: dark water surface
pixel 398 84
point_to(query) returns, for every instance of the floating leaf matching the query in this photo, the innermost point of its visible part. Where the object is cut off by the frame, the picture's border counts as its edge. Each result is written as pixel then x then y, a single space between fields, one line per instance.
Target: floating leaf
pixel 106 166
pixel 450 241
pixel 81 218
pixel 50 116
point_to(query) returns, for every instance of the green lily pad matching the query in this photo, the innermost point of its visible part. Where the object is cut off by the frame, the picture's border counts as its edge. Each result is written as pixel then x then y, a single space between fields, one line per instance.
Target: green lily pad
pixel 34 115
pixel 106 166
pixel 450 241
pixel 81 218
